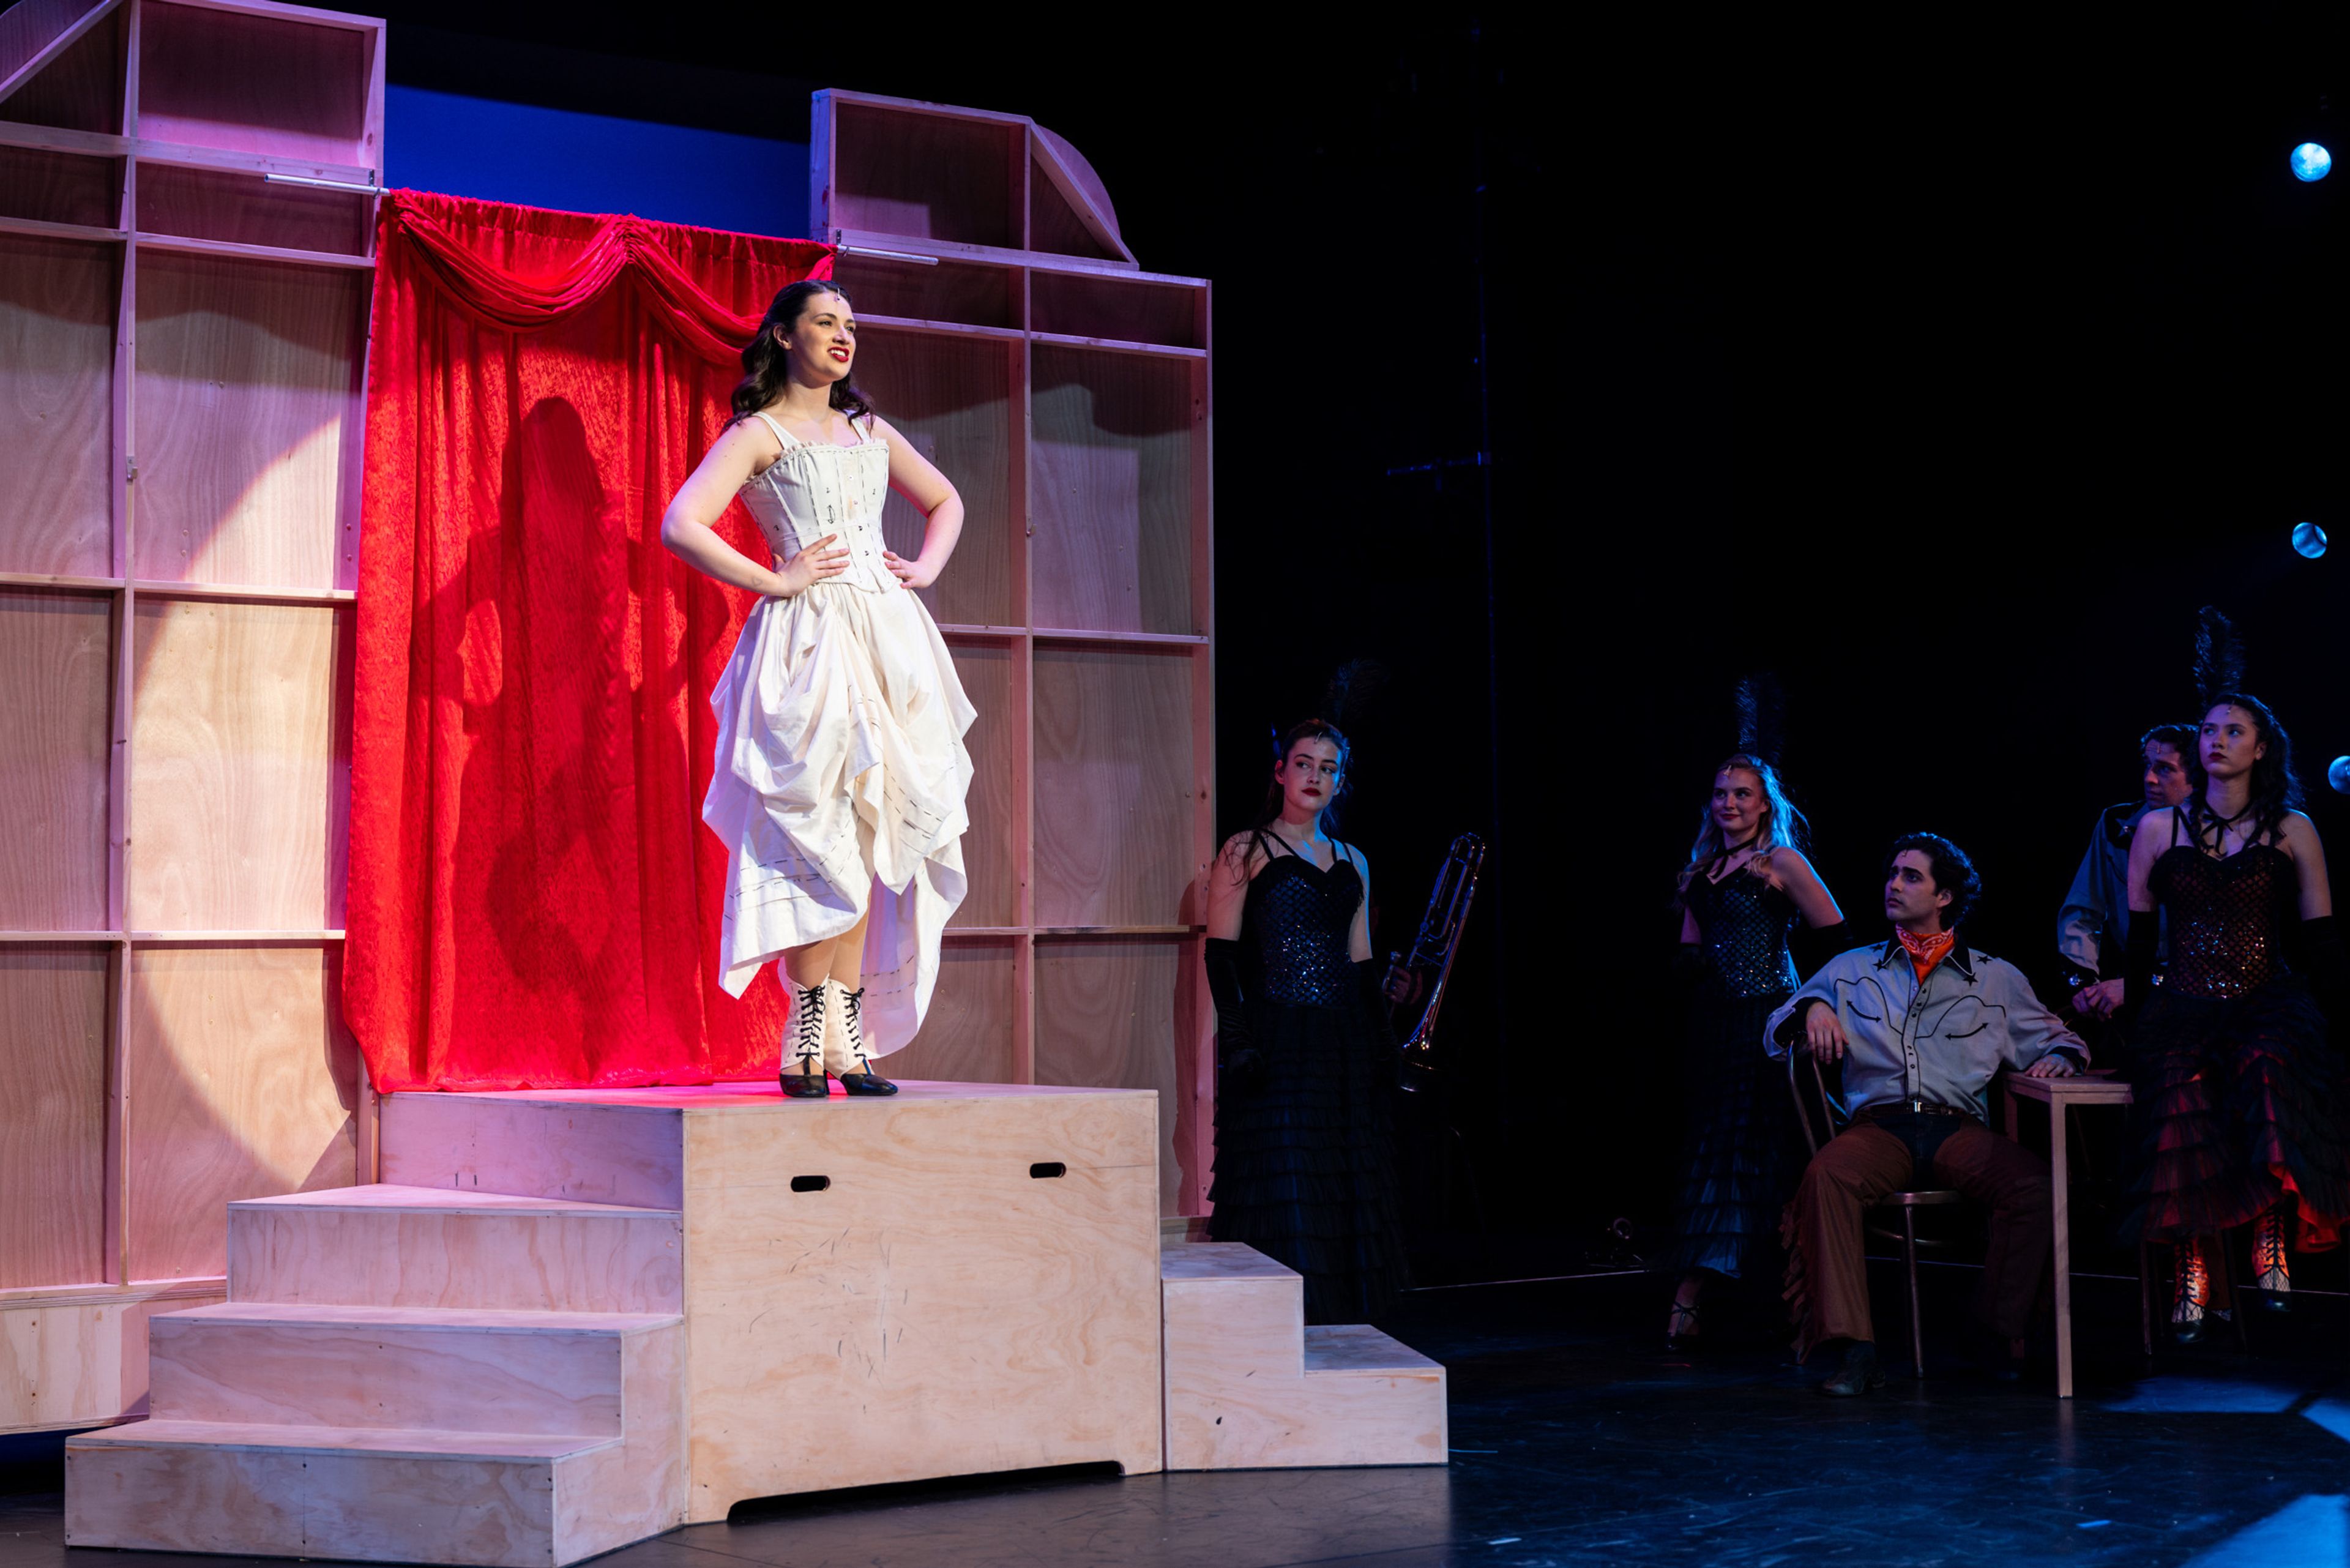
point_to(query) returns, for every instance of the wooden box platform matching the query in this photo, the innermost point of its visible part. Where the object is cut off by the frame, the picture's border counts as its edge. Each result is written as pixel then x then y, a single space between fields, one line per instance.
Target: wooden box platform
pixel 570 1320
pixel 959 1279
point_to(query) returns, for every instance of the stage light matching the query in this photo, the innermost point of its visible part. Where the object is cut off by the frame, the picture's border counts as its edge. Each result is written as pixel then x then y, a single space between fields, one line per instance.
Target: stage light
pixel 2310 161
pixel 2338 774
pixel 2308 540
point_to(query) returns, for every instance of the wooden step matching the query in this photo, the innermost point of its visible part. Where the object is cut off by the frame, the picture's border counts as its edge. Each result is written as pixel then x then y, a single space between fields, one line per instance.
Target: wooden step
pixel 1361 1351
pixel 397 1246
pixel 477 1370
pixel 1242 1393
pixel 380 1494
pixel 1231 1303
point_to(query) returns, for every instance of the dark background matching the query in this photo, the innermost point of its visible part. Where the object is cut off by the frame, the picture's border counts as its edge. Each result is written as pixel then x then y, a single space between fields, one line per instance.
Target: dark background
pixel 1941 366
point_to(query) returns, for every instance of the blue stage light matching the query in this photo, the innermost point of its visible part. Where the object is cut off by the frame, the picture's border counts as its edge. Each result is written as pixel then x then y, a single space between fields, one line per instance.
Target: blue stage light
pixel 2338 774
pixel 2310 161
pixel 2308 540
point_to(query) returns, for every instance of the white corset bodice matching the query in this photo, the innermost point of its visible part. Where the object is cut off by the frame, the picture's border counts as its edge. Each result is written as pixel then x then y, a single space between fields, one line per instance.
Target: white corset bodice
pixel 817 488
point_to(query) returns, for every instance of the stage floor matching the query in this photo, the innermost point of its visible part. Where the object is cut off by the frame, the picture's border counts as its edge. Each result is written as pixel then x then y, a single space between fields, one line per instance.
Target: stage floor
pixel 1577 1441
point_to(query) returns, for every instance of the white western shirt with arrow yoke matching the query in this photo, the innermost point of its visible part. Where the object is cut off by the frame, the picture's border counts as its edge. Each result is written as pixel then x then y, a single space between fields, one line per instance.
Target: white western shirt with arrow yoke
pixel 1938 1043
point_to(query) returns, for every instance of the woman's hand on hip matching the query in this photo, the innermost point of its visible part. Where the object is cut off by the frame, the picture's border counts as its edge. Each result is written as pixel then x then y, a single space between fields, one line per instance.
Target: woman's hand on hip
pixel 913 573
pixel 820 560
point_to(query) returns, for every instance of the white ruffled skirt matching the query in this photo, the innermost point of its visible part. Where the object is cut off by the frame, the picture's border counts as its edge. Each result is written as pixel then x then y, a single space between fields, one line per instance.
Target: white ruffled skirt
pixel 839 791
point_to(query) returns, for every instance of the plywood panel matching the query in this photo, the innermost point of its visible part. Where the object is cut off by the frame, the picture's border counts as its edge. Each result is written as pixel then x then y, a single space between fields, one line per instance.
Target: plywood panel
pixel 975 295
pixel 135 1317
pixel 212 204
pixel 1084 306
pixel 81 89
pixel 1106 1019
pixel 56 750
pixel 967 1037
pixel 970 1317
pixel 246 376
pixel 61 1366
pixel 59 187
pixel 254 84
pixel 995 737
pixel 56 418
pixel 242 1085
pixel 31 25
pixel 1115 782
pixel 951 397
pixel 928 176
pixel 1112 499
pixel 1054 224
pixel 240 777
pixel 53 1118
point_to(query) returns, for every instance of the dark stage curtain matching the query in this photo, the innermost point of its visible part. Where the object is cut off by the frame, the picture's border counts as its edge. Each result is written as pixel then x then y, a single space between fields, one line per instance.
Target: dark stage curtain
pixel 534 900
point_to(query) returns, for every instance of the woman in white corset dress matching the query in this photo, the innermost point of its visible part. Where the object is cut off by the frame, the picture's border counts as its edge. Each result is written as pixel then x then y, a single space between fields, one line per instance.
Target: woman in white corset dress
pixel 840 775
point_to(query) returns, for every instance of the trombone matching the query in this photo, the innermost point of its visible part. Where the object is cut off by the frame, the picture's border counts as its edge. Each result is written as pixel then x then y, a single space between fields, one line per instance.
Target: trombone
pixel 1439 943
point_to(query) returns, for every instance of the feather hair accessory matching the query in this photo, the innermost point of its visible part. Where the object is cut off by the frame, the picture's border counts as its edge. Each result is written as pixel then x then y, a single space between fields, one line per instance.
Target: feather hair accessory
pixel 1761 716
pixel 2219 656
pixel 1352 686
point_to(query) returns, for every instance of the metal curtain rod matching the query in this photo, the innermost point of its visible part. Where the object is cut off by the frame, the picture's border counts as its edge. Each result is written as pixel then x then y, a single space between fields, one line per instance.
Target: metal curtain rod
pixel 887 255
pixel 323 185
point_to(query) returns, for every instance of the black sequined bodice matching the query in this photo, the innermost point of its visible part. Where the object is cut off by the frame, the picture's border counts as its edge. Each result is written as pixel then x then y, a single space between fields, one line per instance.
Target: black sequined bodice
pixel 2226 916
pixel 1742 923
pixel 1294 925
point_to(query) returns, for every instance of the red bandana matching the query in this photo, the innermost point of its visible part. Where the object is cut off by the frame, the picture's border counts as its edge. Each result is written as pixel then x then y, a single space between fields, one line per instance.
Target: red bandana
pixel 1924 952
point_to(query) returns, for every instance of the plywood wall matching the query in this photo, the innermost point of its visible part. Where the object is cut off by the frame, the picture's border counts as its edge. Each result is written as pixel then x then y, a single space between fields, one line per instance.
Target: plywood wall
pixel 1008 332
pixel 181 359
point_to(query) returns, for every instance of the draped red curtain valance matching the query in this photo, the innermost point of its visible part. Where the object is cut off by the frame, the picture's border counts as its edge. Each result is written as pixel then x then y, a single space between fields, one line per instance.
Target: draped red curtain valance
pixel 532 899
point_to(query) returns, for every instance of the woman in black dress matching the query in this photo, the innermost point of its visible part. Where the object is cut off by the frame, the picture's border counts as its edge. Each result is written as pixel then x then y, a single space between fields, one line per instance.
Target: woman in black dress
pixel 1305 1166
pixel 2238 1098
pixel 1745 889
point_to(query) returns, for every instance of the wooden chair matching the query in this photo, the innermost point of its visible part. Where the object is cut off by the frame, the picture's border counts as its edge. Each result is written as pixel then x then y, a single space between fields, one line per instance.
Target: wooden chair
pixel 1819 1110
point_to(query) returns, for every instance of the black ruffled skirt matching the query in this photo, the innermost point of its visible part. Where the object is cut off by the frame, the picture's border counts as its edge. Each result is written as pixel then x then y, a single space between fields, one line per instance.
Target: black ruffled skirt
pixel 2238 1108
pixel 1742 1151
pixel 1305 1158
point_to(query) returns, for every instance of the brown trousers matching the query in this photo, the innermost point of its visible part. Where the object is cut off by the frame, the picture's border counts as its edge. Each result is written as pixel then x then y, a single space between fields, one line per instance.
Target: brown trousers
pixel 1859 1166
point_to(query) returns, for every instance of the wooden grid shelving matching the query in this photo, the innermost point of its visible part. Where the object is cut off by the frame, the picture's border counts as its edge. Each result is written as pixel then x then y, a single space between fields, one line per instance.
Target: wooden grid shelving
pixel 1007 330
pixel 186 347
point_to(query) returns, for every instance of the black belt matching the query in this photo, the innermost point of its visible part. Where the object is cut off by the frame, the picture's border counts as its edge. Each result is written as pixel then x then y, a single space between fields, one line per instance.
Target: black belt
pixel 1913 1107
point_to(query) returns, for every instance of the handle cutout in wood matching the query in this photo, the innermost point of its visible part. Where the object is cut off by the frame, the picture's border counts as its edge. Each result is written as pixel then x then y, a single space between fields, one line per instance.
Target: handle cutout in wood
pixel 1045 1168
pixel 810 1183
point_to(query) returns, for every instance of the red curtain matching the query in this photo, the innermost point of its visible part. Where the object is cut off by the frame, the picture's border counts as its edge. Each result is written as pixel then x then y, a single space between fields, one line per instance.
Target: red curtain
pixel 534 900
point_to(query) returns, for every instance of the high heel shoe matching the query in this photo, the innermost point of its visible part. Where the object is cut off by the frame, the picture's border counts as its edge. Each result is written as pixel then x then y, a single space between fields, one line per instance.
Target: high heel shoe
pixel 802 1074
pixel 844 1044
pixel 1681 1328
pixel 2271 1272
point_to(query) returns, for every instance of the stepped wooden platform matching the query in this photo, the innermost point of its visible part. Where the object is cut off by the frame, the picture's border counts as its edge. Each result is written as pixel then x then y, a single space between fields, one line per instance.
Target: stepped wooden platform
pixel 570 1320
pixel 1249 1386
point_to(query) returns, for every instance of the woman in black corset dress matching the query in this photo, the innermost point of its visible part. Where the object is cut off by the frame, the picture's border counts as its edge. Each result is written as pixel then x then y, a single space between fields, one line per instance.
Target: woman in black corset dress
pixel 1304 1168
pixel 2238 1094
pixel 1745 889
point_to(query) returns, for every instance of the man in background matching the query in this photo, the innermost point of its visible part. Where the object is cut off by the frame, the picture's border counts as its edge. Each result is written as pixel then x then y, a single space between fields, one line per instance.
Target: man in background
pixel 2093 927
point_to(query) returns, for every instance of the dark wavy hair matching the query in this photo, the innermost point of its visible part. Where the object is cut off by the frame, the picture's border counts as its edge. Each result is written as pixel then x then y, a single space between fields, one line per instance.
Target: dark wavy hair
pixel 1302 730
pixel 762 356
pixel 2276 788
pixel 2179 737
pixel 1953 873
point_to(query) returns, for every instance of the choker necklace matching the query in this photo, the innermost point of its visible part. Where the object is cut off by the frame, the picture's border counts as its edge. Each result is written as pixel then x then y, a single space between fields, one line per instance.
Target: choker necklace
pixel 2227 822
pixel 1714 865
pixel 2221 824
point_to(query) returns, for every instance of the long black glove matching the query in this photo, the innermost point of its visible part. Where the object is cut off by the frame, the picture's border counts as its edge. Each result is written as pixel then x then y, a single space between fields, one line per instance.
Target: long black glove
pixel 1236 1051
pixel 1812 947
pixel 2329 966
pixel 2137 963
